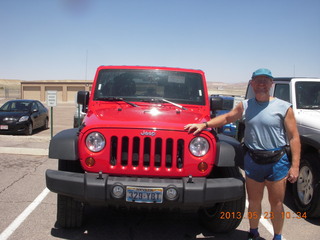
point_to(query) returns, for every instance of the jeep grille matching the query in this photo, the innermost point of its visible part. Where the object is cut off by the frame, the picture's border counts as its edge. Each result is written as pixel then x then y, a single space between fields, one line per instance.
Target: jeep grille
pixel 140 152
pixel 146 151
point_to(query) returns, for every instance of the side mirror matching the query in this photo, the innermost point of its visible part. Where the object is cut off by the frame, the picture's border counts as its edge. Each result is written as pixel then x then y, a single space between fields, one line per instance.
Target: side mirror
pixel 83 99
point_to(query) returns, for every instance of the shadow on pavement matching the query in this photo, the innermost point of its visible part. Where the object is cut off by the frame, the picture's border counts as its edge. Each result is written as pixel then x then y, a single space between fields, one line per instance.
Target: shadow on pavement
pixel 105 223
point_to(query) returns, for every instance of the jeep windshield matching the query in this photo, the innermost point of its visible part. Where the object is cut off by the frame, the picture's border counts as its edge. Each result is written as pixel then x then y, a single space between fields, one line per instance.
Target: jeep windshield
pixel 138 85
pixel 308 95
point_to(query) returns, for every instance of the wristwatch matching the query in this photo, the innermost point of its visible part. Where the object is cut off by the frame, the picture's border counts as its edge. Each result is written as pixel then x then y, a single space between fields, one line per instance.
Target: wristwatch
pixel 206 123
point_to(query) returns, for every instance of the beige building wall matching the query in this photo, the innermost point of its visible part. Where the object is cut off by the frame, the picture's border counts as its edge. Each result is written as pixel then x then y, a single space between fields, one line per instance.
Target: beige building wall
pixel 32 92
pixel 66 90
pixel 72 92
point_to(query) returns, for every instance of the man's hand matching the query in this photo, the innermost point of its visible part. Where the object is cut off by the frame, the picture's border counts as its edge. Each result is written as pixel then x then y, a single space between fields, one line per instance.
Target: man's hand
pixel 196 127
pixel 293 174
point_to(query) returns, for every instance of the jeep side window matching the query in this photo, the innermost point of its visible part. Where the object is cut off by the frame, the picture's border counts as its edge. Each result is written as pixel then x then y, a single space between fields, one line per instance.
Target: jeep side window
pixel 282 91
pixel 308 95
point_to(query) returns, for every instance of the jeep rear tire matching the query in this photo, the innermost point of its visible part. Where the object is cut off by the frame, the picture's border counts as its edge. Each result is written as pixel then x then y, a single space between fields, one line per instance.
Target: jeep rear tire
pixel 306 190
pixel 69 210
pixel 225 216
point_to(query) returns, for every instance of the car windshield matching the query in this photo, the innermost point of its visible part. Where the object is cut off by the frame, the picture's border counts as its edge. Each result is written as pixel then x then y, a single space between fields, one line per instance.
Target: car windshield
pixel 308 95
pixel 144 85
pixel 16 106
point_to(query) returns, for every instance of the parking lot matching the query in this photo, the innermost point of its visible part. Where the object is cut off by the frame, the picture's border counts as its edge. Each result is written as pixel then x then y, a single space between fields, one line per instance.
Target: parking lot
pixel 28 209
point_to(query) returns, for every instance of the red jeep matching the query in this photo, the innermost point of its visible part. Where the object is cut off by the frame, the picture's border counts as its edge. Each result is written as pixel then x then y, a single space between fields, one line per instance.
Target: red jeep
pixel 131 149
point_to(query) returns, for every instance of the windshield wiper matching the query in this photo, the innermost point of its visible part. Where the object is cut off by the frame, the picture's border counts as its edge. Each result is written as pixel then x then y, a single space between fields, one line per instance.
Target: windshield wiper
pixel 165 100
pixel 116 99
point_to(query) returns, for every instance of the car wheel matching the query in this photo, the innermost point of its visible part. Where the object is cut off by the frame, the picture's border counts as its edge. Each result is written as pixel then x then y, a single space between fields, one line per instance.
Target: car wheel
pixel 69 210
pixel 215 218
pixel 306 190
pixel 29 129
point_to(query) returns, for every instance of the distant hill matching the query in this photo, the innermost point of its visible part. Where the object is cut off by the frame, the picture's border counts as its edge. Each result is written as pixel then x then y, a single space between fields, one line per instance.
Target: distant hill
pixel 221 88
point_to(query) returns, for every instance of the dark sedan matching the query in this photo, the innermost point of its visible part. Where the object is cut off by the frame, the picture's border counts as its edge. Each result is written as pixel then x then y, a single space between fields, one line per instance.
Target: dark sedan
pixel 23 116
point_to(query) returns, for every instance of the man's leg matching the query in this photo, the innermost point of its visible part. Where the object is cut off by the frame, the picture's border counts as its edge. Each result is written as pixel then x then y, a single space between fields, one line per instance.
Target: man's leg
pixel 276 191
pixel 255 195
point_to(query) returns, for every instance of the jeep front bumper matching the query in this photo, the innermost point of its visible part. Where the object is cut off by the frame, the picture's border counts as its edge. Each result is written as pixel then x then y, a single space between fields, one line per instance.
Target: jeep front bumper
pixel 192 192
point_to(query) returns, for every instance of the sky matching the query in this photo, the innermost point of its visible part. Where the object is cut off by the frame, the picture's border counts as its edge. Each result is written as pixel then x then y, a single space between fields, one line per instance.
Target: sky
pixel 227 39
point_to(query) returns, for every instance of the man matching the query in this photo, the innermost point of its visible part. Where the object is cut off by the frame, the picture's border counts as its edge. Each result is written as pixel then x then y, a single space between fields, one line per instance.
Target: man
pixel 270 126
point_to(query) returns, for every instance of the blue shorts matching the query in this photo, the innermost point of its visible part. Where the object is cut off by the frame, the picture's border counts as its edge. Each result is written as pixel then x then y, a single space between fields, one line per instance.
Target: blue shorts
pixel 271 172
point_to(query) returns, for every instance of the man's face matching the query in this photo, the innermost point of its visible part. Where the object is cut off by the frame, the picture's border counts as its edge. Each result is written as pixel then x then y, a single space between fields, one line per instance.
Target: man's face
pixel 261 84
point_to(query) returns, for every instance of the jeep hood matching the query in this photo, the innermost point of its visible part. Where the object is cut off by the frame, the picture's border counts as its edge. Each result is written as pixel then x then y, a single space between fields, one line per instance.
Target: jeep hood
pixel 146 117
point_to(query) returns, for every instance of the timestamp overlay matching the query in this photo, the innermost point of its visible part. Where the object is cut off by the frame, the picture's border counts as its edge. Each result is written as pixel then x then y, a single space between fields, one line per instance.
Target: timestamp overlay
pixel 264 217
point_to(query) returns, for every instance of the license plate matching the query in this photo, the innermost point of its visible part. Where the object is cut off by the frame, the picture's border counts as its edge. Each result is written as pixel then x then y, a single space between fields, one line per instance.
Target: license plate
pixel 4 127
pixel 227 130
pixel 144 195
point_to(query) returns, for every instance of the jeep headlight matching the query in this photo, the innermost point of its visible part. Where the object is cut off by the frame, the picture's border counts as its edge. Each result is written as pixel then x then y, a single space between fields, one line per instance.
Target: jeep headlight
pixel 199 146
pixel 95 142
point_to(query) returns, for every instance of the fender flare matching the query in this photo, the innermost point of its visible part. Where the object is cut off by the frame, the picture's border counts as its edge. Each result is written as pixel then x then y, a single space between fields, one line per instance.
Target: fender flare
pixel 64 145
pixel 311 140
pixel 229 152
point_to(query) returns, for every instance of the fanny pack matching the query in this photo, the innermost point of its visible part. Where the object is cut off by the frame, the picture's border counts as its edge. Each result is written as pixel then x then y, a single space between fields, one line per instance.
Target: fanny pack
pixel 265 156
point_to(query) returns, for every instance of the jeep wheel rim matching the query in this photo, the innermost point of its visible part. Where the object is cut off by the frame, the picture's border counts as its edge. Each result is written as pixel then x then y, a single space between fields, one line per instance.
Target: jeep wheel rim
pixel 304 185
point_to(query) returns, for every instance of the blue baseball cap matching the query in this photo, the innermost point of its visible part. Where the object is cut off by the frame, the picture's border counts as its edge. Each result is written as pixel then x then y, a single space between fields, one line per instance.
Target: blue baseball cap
pixel 262 72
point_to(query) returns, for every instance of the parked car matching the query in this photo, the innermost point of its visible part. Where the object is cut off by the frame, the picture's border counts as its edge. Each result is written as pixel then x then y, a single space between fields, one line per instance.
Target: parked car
pixel 23 116
pixel 227 103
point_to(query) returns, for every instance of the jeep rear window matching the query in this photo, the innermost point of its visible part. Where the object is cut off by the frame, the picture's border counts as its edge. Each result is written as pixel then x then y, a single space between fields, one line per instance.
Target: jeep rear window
pixel 282 91
pixel 143 85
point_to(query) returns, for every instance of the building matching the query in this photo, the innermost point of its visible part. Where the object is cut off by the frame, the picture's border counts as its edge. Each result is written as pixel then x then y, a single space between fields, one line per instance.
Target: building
pixel 66 89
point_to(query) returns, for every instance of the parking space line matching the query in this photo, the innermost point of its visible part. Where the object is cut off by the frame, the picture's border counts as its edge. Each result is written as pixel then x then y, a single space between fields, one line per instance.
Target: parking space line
pixel 20 219
pixel 265 223
pixel 26 151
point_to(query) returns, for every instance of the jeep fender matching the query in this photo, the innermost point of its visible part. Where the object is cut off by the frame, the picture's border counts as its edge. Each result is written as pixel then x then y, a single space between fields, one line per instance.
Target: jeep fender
pixel 64 145
pixel 311 140
pixel 229 152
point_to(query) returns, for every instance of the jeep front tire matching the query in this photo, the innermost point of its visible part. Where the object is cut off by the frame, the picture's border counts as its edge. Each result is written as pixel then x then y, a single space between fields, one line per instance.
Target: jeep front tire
pixel 225 216
pixel 69 210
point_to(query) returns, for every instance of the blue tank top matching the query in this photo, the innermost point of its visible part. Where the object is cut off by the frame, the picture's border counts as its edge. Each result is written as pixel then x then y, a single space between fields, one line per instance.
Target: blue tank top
pixel 265 124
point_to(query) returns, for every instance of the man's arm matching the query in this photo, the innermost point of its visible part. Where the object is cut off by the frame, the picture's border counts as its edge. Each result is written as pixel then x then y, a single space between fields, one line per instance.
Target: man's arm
pixel 294 141
pixel 232 116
